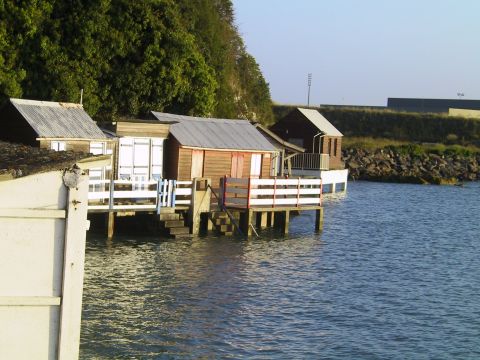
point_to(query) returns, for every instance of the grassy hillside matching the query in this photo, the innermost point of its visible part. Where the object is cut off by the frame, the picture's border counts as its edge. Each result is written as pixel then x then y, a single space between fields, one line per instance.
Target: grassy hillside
pixel 399 126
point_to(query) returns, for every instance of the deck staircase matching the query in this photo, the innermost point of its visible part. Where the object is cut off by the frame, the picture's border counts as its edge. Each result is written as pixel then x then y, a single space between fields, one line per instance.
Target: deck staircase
pixel 173 223
pixel 222 223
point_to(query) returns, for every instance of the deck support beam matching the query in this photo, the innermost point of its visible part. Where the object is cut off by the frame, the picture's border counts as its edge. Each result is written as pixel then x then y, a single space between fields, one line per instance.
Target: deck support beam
pixel 262 219
pixel 246 224
pixel 110 224
pixel 319 219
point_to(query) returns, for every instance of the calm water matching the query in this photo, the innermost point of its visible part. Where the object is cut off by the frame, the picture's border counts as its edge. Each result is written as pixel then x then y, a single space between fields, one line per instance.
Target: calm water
pixel 394 275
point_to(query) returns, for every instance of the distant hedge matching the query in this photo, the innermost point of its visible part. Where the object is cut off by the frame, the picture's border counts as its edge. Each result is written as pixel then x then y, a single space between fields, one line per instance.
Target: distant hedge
pixel 414 127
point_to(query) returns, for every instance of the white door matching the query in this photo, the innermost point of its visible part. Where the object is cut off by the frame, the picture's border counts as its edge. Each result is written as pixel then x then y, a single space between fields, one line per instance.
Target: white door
pixel 256 165
pixel 125 158
pixel 157 158
pixel 141 158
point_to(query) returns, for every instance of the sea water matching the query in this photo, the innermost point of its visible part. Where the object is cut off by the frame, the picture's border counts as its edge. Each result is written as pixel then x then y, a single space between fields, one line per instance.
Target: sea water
pixel 395 274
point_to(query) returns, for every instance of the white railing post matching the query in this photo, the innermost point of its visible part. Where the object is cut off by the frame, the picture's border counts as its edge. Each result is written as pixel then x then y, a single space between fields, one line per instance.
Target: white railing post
pixel 159 196
pixel 111 194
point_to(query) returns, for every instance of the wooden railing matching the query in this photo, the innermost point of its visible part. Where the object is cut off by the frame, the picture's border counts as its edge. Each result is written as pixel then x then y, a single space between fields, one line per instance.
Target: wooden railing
pixel 247 193
pixel 144 195
pixel 311 161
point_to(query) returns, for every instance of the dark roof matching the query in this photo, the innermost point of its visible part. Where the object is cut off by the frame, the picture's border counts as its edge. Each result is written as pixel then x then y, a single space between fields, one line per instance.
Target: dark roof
pixel 58 120
pixel 18 160
pixel 277 141
pixel 320 122
pixel 212 133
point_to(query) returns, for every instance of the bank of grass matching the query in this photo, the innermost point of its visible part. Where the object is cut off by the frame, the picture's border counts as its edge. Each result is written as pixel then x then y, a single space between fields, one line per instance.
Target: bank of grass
pixel 399 126
pixel 405 147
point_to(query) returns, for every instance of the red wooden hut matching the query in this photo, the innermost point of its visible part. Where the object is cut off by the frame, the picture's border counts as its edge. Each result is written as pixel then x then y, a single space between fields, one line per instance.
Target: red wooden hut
pixel 213 148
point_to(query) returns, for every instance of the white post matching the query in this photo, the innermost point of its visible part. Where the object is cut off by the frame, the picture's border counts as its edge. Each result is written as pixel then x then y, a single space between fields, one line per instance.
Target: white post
pixel 74 259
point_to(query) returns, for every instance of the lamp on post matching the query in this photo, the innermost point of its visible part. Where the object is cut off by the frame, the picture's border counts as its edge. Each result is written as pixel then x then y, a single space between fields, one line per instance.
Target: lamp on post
pixel 309 85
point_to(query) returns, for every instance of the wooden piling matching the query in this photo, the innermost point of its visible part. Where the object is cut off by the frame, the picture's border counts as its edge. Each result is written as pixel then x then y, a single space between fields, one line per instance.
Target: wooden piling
pixel 110 224
pixel 271 219
pixel 319 219
pixel 286 221
pixel 201 195
pixel 246 221
pixel 262 219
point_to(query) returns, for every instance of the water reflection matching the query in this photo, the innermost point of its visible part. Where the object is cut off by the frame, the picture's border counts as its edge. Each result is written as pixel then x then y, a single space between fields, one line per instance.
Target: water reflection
pixel 393 275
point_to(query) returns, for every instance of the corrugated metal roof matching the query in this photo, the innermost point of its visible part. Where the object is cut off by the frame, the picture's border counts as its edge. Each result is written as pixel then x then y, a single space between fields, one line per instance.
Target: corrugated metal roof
pixel 320 122
pixel 215 133
pixel 58 120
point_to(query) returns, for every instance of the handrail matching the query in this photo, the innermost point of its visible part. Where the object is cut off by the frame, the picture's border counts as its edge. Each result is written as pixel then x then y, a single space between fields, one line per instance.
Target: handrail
pixel 226 211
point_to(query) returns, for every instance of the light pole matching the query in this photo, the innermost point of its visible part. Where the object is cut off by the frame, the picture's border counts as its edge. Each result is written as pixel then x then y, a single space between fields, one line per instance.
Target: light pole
pixel 309 85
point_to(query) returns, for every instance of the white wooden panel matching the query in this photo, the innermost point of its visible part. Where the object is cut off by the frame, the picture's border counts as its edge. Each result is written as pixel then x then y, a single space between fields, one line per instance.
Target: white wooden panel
pixel 98 207
pixel 29 332
pixel 73 270
pixel 29 300
pixel 334 176
pixel 182 202
pixel 129 194
pixel 133 207
pixel 99 195
pixel 35 191
pixel 183 191
pixel 290 191
pixel 184 182
pixel 256 165
pixel 32 256
pixel 32 213
pixel 287 201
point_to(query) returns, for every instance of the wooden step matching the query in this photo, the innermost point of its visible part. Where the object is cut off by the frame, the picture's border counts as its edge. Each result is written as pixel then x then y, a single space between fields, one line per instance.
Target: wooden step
pixel 167 210
pixel 219 215
pixel 182 236
pixel 184 230
pixel 169 216
pixel 174 223
pixel 226 228
pixel 219 222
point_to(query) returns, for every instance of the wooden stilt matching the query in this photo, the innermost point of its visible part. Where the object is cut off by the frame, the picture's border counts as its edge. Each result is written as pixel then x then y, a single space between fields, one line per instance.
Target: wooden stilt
pixel 247 220
pixel 262 219
pixel 110 224
pixel 271 219
pixel 286 221
pixel 319 219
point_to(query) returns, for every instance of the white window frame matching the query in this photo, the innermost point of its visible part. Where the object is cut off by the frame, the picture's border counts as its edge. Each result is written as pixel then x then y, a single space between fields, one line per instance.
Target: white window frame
pixel 57 145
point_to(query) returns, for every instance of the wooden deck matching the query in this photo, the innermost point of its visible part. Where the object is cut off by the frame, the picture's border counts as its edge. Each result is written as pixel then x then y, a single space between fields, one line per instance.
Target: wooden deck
pixel 271 200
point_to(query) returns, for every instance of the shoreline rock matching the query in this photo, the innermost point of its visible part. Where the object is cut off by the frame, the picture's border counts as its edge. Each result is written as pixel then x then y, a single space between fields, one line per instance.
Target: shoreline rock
pixel 388 165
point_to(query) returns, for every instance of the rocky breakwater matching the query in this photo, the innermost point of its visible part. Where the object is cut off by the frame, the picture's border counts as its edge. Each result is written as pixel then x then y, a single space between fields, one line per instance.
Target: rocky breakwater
pixel 428 168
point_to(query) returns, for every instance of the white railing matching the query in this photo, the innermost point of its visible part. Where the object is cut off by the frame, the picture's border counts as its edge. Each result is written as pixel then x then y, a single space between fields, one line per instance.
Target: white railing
pixel 108 195
pixel 311 161
pixel 247 193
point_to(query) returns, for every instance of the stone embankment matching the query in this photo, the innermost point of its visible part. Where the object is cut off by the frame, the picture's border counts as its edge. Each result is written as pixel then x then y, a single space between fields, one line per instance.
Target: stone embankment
pixel 391 166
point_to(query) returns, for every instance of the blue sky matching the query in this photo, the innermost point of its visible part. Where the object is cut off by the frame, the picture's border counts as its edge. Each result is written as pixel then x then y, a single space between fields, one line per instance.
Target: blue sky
pixel 364 51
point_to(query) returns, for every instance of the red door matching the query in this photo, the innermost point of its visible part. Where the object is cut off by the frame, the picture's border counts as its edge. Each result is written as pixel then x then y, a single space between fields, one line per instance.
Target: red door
pixel 237 165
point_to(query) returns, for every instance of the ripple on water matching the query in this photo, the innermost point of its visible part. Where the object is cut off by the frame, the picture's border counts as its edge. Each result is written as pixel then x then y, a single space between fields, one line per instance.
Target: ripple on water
pixel 395 274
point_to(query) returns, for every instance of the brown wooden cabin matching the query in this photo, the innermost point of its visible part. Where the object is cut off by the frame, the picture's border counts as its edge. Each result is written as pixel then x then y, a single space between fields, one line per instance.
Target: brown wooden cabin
pixel 54 125
pixel 311 130
pixel 140 148
pixel 281 163
pixel 213 148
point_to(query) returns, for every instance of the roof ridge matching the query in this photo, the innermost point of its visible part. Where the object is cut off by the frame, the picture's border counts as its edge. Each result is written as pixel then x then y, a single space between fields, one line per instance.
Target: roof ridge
pixel 46 103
